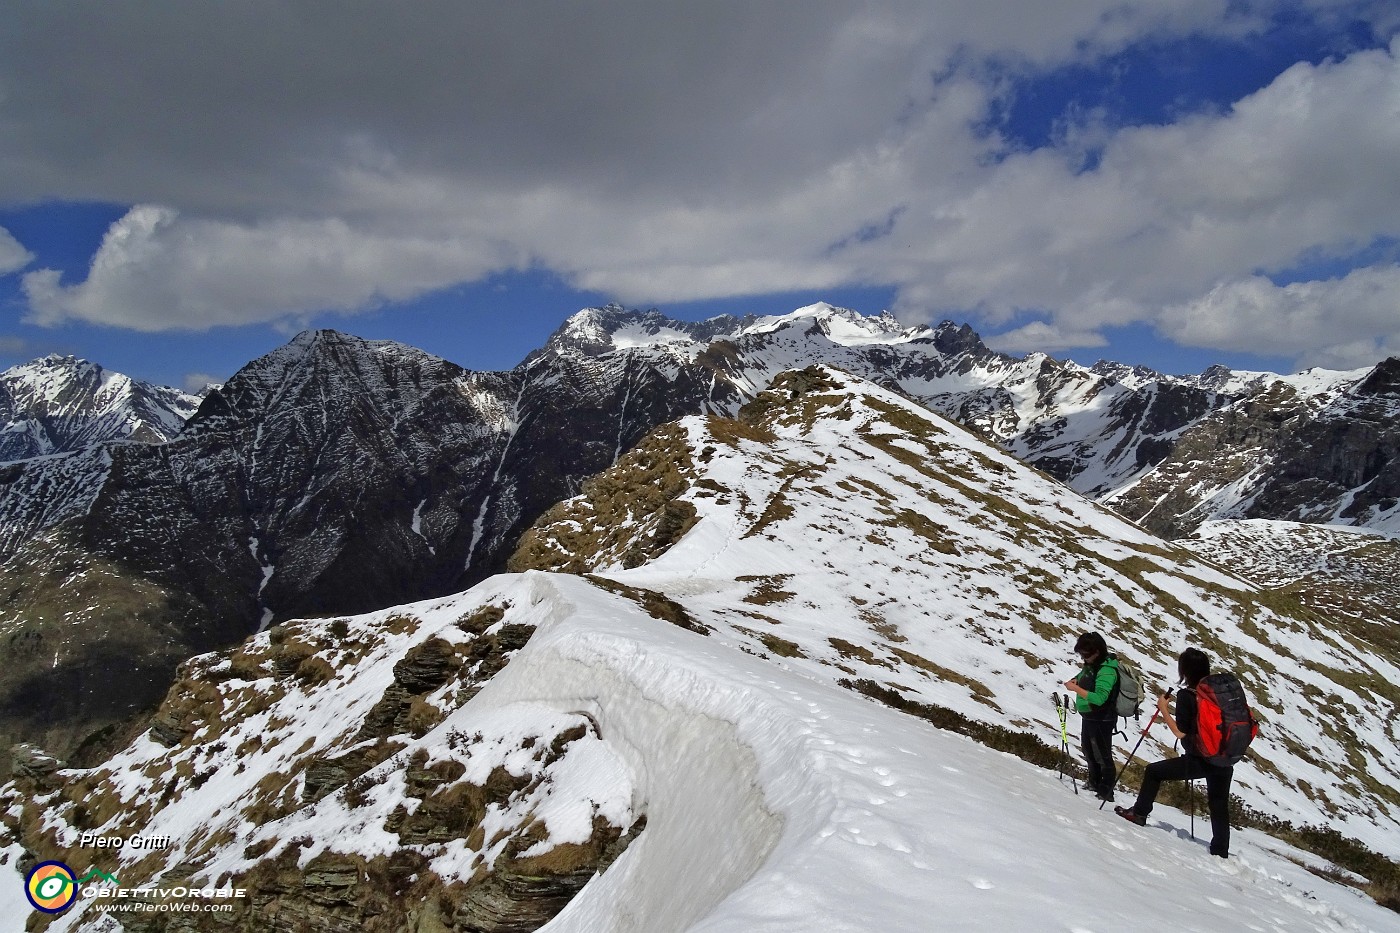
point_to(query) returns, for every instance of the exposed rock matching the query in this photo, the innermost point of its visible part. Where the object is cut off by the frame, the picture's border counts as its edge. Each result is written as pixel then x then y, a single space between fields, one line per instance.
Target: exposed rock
pixel 1280 454
pixel 324 775
pixel 339 891
pixel 425 668
pixel 31 763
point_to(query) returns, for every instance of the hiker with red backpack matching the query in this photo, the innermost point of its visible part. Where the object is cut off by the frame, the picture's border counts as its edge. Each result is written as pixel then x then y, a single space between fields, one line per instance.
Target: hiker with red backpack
pixel 1215 727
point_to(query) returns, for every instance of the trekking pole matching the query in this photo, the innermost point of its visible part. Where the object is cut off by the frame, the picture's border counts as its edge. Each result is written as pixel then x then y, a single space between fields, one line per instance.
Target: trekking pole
pixel 1064 741
pixel 1133 753
pixel 1062 713
pixel 1191 793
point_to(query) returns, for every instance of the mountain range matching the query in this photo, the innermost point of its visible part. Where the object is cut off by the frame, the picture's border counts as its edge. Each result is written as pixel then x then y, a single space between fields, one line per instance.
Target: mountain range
pixel 784 667
pixel 337 475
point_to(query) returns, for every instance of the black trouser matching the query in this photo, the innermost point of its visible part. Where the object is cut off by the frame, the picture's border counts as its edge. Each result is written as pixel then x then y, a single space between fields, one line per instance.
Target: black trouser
pixel 1096 741
pixel 1186 768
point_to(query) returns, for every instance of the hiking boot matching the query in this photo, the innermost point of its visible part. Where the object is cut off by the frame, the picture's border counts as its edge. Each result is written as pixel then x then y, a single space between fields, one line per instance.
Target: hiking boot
pixel 1104 795
pixel 1131 815
pixel 1219 853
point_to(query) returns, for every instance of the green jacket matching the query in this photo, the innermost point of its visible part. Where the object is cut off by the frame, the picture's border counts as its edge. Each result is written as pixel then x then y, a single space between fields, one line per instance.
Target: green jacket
pixel 1100 681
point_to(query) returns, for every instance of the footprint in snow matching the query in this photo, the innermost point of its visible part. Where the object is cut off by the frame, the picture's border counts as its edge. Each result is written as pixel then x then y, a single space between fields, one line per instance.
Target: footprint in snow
pixel 981 884
pixel 1218 902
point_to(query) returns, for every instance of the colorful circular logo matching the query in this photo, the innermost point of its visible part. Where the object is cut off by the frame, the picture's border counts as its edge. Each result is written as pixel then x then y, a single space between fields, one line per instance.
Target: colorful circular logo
pixel 51 887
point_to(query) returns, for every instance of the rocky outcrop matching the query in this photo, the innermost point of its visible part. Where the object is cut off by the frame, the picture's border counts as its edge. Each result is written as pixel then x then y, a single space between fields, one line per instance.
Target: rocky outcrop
pixel 1282 454
pixel 487 823
pixel 424 669
pixel 30 763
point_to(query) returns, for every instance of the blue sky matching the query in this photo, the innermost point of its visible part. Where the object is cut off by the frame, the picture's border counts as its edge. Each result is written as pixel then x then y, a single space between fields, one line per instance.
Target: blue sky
pixel 1174 184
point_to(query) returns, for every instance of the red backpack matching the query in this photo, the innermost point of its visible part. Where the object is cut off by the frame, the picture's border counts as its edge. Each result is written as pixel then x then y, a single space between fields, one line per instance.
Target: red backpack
pixel 1224 724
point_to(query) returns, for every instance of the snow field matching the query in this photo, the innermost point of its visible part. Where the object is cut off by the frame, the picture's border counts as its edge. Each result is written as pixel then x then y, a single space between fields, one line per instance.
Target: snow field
pixel 1000 608
pixel 848 816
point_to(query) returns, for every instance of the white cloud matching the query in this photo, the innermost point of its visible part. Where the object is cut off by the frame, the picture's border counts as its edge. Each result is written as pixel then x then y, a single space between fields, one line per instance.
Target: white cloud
pixel 1045 337
pixel 157 270
pixel 15 346
pixel 1304 168
pixel 1304 164
pixel 195 383
pixel 1344 323
pixel 13 256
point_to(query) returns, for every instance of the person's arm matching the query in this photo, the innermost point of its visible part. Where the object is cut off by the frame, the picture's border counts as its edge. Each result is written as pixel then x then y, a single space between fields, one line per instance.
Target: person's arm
pixel 1073 686
pixel 1103 689
pixel 1103 686
pixel 1164 703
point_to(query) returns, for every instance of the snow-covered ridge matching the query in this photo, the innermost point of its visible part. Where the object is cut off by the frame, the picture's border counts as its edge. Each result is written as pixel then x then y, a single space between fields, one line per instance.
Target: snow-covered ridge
pixel 616 328
pixel 867 540
pixel 850 817
pixel 773 802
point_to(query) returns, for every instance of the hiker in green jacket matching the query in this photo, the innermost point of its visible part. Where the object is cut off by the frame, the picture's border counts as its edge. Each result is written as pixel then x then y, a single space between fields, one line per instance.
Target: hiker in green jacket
pixel 1096 692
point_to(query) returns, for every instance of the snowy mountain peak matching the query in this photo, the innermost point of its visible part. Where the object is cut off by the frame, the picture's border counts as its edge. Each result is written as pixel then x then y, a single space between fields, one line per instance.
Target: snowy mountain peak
pixel 841 325
pixel 596 331
pixel 63 403
pixel 328 343
pixel 321 365
pixel 1316 446
pixel 1135 377
pixel 1383 380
